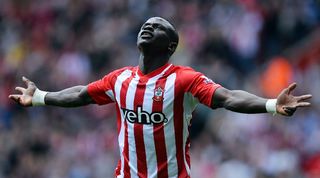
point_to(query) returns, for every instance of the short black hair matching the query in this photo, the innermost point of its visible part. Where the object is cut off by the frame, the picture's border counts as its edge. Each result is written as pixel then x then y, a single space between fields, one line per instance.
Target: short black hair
pixel 173 34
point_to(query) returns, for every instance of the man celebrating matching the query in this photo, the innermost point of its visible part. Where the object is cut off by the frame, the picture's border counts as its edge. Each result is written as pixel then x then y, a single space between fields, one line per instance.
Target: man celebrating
pixel 154 104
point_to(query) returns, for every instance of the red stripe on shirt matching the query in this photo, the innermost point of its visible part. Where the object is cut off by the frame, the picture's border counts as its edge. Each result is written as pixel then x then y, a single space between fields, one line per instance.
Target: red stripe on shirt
pixel 123 93
pixel 158 133
pixel 178 127
pixel 138 132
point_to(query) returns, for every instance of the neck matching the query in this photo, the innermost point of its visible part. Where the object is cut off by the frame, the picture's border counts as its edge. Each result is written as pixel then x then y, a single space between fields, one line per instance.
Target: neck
pixel 150 63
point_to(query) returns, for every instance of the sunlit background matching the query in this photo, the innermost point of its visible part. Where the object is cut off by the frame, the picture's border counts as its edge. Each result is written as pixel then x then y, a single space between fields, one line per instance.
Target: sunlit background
pixel 256 45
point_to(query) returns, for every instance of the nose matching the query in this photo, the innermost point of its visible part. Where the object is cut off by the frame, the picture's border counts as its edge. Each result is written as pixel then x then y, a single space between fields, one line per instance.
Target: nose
pixel 148 27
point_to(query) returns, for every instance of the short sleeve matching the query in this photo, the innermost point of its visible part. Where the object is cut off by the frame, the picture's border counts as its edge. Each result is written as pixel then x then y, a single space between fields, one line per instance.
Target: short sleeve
pixel 201 87
pixel 101 91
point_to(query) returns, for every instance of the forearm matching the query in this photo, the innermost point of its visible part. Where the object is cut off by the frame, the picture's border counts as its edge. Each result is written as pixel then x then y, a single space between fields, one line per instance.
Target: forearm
pixel 70 97
pixel 244 102
pixel 71 89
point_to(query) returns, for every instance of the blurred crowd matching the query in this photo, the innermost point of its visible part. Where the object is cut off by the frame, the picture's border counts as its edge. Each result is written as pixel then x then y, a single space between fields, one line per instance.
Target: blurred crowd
pixel 255 45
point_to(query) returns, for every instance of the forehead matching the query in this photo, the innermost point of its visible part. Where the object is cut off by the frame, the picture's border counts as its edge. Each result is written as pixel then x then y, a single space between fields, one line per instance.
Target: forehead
pixel 159 20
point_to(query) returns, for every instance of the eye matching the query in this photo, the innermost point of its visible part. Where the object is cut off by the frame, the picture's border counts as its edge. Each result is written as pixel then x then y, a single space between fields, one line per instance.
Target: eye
pixel 161 27
pixel 158 26
pixel 155 25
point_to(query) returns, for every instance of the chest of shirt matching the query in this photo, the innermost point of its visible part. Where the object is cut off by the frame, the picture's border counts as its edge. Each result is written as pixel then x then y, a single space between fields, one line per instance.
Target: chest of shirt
pixel 149 94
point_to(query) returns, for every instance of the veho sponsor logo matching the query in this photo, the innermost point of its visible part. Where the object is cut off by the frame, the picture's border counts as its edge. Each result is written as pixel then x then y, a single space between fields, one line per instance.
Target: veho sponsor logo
pixel 143 117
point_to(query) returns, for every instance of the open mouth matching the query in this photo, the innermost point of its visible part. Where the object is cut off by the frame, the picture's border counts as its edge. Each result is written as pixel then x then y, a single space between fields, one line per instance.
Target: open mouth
pixel 146 34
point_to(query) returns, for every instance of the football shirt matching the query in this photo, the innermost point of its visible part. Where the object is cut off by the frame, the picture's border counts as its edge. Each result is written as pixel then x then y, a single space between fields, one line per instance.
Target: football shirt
pixel 153 117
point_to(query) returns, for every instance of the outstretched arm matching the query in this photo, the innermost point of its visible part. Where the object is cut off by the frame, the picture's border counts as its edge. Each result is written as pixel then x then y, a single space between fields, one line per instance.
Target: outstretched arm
pixel 244 102
pixel 70 97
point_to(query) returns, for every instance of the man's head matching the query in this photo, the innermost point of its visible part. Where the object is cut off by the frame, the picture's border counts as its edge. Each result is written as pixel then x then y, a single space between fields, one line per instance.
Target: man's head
pixel 157 35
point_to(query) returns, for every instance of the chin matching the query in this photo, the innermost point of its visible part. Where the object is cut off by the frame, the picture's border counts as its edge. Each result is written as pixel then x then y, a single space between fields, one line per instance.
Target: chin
pixel 144 44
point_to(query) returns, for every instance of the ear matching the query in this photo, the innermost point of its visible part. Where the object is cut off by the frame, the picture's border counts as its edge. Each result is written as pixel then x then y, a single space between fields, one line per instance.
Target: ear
pixel 172 46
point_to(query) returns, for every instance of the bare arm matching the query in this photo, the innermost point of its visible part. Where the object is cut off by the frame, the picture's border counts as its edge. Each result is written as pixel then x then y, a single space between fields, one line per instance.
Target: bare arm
pixel 244 102
pixel 238 101
pixel 70 97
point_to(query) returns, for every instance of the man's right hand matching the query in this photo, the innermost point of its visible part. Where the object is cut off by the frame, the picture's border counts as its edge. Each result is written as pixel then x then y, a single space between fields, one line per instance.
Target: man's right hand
pixel 26 94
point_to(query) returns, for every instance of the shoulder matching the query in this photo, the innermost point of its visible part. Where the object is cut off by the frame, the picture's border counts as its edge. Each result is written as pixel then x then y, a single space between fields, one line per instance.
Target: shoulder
pixel 186 72
pixel 186 76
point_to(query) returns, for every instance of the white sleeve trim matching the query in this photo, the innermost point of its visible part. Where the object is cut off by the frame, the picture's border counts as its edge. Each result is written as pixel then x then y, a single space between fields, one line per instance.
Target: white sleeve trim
pixel 38 98
pixel 271 106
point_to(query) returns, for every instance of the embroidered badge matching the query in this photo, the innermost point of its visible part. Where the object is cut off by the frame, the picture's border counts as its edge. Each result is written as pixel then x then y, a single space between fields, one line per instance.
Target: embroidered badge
pixel 158 94
pixel 207 80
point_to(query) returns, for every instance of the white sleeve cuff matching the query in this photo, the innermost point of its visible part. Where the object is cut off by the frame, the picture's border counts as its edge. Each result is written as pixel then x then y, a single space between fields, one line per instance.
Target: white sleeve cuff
pixel 271 106
pixel 38 98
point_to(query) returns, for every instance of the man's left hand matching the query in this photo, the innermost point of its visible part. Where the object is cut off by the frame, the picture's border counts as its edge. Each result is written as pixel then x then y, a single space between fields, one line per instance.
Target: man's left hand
pixel 287 103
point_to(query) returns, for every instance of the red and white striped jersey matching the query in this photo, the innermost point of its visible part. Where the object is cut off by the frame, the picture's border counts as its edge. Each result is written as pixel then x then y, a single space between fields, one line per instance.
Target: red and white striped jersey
pixel 153 115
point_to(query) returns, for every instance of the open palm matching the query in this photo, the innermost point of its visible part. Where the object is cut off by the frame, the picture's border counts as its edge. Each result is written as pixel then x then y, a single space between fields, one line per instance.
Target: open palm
pixel 287 103
pixel 26 94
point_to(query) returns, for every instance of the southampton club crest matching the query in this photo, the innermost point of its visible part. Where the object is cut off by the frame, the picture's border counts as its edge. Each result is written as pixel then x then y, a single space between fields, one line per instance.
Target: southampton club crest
pixel 206 80
pixel 158 94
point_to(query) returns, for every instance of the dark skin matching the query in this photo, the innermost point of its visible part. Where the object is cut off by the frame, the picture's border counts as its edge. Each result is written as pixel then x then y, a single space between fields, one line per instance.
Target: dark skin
pixel 157 41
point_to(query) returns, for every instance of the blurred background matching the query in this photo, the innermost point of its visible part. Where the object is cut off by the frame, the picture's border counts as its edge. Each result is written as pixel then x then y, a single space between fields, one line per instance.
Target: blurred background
pixel 255 45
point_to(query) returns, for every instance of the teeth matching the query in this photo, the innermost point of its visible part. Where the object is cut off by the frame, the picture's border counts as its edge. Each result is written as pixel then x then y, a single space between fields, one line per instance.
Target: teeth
pixel 146 34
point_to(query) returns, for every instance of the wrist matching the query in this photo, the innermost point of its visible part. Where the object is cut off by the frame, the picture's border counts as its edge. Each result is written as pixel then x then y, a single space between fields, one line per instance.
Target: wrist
pixel 271 106
pixel 38 98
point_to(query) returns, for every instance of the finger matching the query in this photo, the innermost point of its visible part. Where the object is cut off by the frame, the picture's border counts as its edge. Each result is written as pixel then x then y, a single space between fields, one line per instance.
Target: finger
pixel 289 112
pixel 15 98
pixel 26 81
pixel 303 104
pixel 290 108
pixel 304 97
pixel 291 88
pixel 22 90
pixel 286 112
